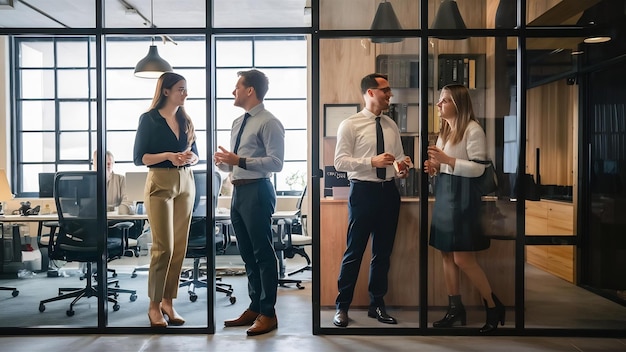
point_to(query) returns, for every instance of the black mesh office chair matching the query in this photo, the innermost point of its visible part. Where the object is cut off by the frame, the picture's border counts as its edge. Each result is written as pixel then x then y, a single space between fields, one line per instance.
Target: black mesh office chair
pixel 76 239
pixel 16 237
pixel 289 240
pixel 196 247
pixel 296 237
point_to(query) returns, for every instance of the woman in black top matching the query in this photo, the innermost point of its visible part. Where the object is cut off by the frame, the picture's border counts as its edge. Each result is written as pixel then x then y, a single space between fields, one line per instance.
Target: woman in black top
pixel 165 142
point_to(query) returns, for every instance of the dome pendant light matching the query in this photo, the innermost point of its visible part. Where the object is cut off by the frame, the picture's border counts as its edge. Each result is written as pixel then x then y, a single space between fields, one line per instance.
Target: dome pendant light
pixel 153 65
pixel 449 17
pixel 385 19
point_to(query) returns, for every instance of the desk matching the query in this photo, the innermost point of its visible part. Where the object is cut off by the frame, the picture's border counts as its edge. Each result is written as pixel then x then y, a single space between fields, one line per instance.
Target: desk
pixel 42 219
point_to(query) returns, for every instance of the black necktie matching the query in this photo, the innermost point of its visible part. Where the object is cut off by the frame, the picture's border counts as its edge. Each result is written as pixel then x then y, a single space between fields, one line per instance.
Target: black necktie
pixel 243 124
pixel 380 148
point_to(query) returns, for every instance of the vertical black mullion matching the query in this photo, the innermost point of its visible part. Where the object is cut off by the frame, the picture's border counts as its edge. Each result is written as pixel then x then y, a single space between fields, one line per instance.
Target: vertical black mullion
pixel 101 162
pixel 16 121
pixel 57 117
pixel 314 183
pixel 423 204
pixel 210 63
pixel 520 243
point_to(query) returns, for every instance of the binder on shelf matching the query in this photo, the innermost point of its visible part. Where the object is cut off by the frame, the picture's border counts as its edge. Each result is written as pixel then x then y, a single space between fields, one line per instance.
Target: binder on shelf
pixel 472 74
pixel 461 69
pixel 403 70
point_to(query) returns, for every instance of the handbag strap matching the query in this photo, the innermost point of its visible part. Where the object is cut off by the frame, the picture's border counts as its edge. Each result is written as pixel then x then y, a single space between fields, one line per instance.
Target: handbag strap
pixel 484 162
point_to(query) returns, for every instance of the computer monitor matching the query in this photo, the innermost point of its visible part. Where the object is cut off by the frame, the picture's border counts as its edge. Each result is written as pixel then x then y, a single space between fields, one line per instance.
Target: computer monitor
pixel 46 184
pixel 200 202
pixel 135 183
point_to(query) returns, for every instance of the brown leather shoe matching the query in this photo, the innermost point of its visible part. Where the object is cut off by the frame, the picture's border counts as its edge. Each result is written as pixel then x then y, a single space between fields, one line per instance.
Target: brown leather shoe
pixel 263 324
pixel 246 318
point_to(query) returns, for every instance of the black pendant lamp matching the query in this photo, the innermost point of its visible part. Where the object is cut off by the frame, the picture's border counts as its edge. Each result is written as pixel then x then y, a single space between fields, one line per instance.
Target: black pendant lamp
pixel 385 19
pixel 506 14
pixel 449 17
pixel 153 65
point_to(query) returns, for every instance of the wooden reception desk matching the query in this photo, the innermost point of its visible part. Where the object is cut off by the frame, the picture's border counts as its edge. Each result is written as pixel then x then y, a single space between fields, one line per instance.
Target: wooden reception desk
pixel 498 262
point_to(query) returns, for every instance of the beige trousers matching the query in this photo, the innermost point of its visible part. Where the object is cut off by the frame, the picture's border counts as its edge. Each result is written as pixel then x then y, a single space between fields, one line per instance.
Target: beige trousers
pixel 168 197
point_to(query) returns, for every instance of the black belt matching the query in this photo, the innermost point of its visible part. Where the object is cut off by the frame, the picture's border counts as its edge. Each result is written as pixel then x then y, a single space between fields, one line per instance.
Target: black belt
pixel 170 167
pixel 246 181
pixel 371 182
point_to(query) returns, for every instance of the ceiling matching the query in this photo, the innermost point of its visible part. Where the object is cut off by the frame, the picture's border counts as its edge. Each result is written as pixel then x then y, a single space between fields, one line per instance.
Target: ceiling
pixel 236 14
pixel 167 13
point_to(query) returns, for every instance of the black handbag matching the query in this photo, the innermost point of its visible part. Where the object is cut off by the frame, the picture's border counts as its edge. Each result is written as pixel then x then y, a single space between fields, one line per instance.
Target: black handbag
pixel 487 183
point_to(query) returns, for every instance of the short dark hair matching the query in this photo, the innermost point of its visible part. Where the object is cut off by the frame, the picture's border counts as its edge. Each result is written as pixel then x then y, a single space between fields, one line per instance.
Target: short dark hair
pixel 369 81
pixel 257 80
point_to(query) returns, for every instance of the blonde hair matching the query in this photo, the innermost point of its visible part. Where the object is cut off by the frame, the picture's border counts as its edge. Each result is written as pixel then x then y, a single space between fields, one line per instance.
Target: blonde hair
pixel 167 81
pixel 464 114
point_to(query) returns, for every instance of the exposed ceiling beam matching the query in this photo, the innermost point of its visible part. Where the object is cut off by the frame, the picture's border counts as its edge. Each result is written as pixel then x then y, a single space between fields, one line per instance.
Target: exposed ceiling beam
pixel 43 13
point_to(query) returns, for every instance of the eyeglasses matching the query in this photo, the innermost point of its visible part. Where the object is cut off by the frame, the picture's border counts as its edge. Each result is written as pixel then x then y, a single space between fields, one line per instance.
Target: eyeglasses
pixel 182 90
pixel 385 90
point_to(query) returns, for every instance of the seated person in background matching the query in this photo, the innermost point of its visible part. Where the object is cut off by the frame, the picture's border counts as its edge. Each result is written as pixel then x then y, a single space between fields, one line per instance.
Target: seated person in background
pixel 116 195
pixel 116 183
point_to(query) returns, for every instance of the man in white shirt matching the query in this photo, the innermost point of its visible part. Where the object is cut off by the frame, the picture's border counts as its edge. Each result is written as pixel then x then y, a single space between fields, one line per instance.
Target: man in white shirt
pixel 368 145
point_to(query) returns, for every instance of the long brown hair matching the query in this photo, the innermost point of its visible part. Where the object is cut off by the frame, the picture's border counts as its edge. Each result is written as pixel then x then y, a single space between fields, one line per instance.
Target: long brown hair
pixel 464 114
pixel 167 81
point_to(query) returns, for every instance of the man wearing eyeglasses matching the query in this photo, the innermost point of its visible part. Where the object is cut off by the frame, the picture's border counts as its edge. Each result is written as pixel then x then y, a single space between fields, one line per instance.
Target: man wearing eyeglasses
pixel 368 146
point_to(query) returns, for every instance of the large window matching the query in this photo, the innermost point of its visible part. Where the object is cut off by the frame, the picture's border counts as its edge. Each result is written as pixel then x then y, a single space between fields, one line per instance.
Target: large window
pixel 55 90
pixel 284 61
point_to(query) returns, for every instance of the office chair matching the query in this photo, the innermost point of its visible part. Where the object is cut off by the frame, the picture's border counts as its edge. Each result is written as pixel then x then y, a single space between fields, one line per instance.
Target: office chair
pixel 287 244
pixel 282 245
pixel 76 239
pixel 2 251
pixel 14 293
pixel 197 242
pixel 297 239
pixel 131 247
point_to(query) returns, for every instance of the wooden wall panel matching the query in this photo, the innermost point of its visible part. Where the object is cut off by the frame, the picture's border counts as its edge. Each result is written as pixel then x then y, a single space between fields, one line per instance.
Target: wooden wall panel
pixel 550 127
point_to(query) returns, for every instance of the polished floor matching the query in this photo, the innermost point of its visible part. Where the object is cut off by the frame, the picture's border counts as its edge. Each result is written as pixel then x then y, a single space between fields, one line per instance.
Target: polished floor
pixel 295 323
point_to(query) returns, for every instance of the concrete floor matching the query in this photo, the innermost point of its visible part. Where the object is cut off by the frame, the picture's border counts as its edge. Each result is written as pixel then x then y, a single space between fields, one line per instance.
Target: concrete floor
pixel 295 329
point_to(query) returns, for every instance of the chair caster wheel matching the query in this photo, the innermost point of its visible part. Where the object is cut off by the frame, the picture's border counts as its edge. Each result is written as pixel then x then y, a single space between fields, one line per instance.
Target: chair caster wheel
pixel 69 313
pixel 232 299
pixel 42 307
pixel 133 297
pixel 15 293
pixel 299 286
pixel 193 297
pixel 133 275
pixel 116 307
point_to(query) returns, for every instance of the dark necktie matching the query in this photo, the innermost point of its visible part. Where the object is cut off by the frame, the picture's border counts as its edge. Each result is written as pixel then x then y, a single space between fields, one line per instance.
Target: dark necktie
pixel 243 124
pixel 380 148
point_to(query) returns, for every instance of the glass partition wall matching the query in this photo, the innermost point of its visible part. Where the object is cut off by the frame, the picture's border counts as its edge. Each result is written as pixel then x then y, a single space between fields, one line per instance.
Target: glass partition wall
pixel 528 85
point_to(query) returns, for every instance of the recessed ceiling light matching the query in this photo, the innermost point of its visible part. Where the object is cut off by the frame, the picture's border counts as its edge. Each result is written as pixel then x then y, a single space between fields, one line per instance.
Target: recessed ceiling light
pixel 596 40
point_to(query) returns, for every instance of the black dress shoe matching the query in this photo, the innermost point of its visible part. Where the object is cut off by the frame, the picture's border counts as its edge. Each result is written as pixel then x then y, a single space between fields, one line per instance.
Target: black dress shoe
pixel 381 315
pixel 341 318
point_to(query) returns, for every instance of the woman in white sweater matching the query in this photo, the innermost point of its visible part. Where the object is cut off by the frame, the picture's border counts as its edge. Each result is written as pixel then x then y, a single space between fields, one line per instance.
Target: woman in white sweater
pixel 455 227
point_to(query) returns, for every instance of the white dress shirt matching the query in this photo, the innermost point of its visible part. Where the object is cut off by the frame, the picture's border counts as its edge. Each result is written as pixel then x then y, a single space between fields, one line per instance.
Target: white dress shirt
pixel 356 145
pixel 473 146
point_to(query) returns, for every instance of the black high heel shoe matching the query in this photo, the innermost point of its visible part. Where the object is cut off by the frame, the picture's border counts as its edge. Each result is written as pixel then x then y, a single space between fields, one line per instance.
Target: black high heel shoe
pixel 495 315
pixel 455 313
